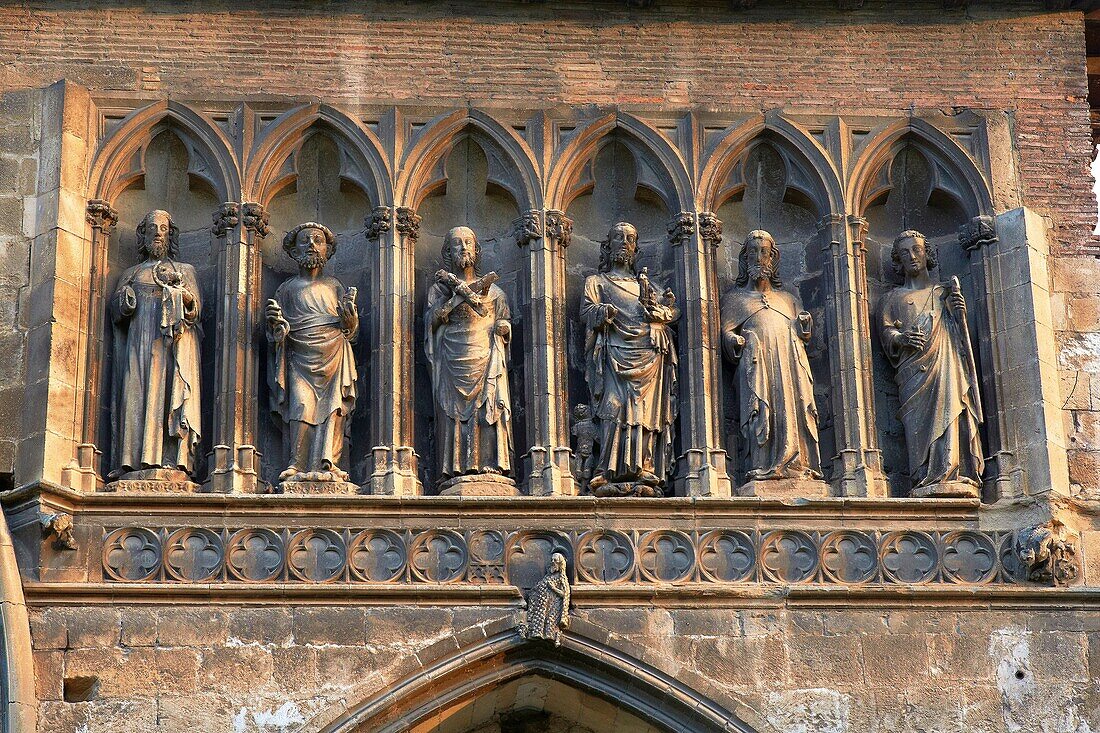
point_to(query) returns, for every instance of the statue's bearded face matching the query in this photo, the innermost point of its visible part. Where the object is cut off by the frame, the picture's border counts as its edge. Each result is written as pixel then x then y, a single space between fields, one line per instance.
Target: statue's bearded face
pixel 760 258
pixel 463 247
pixel 157 228
pixel 912 255
pixel 624 245
pixel 310 249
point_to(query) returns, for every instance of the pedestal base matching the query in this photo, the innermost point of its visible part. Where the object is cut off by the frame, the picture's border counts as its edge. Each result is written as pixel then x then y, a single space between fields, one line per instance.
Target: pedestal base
pixel 785 488
pixel 947 490
pixel 317 488
pixel 153 481
pixel 479 484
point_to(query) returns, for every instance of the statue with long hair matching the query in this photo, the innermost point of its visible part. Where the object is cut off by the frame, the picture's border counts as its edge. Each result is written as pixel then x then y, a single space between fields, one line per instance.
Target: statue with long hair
pixel 923 328
pixel 764 332
pixel 630 369
pixel 469 329
pixel 155 312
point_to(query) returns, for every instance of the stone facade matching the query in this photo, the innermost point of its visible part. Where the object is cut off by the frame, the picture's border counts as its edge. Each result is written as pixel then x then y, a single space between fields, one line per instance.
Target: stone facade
pixel 706 595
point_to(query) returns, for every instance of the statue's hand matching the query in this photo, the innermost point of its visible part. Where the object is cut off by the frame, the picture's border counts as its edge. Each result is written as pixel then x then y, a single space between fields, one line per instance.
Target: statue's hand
pixel 127 300
pixel 612 313
pixel 669 297
pixel 188 299
pixel 914 340
pixel 503 329
pixel 738 340
pixel 956 302
pixel 275 320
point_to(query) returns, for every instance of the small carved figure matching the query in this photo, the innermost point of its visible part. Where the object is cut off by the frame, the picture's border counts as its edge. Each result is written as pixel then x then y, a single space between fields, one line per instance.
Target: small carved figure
pixel 1047 556
pixel 586 433
pixel 548 604
pixel 925 337
pixel 630 369
pixel 155 311
pixel 60 527
pixel 312 322
pixel 764 331
pixel 468 332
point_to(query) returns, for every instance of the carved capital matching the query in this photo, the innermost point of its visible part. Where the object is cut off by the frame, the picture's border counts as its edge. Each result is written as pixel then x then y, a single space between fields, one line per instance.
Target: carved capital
pixel 1048 553
pixel 225 218
pixel 528 227
pixel 254 218
pixel 977 232
pixel 559 227
pixel 858 226
pixel 710 228
pixel 408 223
pixel 102 216
pixel 681 228
pixel 60 527
pixel 379 222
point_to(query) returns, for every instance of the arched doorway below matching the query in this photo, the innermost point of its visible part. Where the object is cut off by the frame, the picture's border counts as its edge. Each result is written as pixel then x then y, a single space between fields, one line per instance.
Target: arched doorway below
pixel 535 704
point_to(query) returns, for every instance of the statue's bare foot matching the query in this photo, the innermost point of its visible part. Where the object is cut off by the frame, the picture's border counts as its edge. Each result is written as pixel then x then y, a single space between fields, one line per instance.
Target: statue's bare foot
pixel 597 481
pixel 649 478
pixel 290 472
pixel 490 469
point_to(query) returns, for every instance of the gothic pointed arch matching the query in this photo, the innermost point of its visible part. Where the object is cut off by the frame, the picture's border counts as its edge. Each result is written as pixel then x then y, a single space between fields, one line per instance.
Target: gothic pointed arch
pixel 592 667
pixel 954 172
pixel 512 165
pixel 120 160
pixel 271 162
pixel 661 167
pixel 811 173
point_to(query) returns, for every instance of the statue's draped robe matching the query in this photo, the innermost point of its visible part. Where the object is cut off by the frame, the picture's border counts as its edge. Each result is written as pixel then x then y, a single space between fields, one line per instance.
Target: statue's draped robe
pixel 631 374
pixel 313 379
pixel 469 367
pixel 778 416
pixel 937 387
pixel 156 371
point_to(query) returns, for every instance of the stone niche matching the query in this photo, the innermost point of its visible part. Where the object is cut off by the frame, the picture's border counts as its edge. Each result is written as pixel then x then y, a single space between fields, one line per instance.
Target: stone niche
pixel 541 189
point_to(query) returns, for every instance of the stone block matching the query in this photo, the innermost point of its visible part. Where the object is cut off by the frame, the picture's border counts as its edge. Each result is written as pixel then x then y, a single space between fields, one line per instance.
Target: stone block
pixel 49 628
pixel 825 660
pixel 405 625
pixel 294 668
pixel 49 671
pixel 1059 656
pixel 323 625
pixel 200 627
pixel 895 658
pixel 139 627
pixel 235 669
pixel 261 626
pixel 347 666
pixel 93 627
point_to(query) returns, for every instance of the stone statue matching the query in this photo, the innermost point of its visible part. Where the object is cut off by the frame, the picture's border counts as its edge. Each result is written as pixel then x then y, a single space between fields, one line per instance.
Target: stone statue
pixel 312 322
pixel 925 336
pixel 587 435
pixel 468 332
pixel 548 604
pixel 630 369
pixel 764 331
pixel 155 311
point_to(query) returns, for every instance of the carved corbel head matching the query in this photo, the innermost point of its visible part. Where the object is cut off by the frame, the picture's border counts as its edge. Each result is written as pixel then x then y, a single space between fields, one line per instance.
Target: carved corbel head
pixel 60 527
pixel 1048 553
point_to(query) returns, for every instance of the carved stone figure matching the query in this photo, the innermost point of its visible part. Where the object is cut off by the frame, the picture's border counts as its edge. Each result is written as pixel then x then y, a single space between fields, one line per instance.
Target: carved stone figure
pixel 1047 554
pixel 468 332
pixel 630 369
pixel 548 604
pixel 925 336
pixel 155 311
pixel 587 434
pixel 764 331
pixel 312 322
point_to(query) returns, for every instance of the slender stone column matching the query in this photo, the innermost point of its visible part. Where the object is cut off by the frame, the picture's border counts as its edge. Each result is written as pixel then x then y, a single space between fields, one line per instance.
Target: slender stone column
pixel 701 469
pixel 394 232
pixel 234 463
pixel 857 466
pixel 83 473
pixel 546 235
